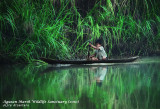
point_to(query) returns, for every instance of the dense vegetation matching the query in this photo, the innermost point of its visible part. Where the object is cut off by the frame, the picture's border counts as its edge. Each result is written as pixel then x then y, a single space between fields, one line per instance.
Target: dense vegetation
pixel 61 29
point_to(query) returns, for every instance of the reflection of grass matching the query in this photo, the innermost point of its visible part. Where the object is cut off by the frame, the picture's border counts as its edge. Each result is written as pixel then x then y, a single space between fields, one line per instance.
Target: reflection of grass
pixel 124 87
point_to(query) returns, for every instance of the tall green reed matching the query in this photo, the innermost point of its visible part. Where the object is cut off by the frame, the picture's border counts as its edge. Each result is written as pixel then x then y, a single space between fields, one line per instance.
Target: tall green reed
pixel 58 29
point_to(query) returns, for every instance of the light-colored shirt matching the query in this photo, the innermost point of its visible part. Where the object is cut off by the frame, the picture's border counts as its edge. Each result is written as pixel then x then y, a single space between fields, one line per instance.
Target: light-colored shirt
pixel 100 53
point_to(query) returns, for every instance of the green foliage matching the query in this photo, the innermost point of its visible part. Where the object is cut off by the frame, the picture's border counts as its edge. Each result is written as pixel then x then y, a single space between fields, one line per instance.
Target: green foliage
pixel 60 28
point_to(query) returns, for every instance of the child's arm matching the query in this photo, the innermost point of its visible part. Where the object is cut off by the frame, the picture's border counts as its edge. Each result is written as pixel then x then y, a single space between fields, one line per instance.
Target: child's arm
pixel 93 46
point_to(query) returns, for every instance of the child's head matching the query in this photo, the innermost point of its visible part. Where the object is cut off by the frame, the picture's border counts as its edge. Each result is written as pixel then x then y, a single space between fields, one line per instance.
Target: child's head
pixel 98 42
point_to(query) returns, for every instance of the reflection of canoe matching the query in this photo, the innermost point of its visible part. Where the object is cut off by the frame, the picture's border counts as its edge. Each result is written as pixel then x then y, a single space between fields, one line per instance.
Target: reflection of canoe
pixel 52 61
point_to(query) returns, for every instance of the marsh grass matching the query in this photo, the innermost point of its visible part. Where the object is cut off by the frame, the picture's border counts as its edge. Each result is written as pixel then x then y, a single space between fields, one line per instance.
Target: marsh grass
pixel 58 29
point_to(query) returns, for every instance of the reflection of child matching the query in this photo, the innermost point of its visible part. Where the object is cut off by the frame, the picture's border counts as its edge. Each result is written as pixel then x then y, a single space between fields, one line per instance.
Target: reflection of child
pixel 100 73
pixel 99 53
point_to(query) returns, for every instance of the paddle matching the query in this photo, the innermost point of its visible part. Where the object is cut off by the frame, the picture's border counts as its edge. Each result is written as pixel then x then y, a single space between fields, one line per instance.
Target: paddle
pixel 89 50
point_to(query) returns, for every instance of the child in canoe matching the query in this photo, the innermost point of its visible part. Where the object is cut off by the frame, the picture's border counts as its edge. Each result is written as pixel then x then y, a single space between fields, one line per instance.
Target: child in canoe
pixel 100 53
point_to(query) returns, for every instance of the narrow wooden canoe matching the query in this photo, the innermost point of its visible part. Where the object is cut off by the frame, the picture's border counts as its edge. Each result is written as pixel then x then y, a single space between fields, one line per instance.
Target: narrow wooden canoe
pixel 52 61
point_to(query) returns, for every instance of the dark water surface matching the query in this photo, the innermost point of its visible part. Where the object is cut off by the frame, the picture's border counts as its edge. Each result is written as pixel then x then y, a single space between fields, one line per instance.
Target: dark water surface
pixel 124 86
